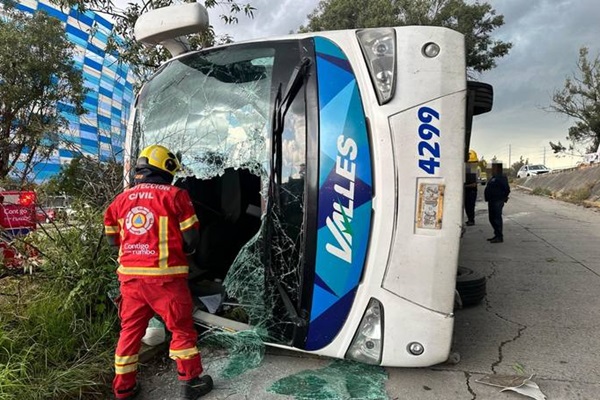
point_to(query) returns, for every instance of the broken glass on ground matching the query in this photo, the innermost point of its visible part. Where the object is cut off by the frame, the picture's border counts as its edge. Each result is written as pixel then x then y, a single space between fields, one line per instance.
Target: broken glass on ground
pixel 515 383
pixel 337 381
pixel 245 351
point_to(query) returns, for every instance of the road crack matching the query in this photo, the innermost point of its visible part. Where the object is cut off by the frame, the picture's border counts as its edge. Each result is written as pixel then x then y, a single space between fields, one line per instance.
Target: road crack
pixel 520 330
pixel 468 378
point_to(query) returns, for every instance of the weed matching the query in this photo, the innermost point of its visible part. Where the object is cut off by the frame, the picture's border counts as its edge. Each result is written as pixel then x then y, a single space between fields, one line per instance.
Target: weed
pixel 577 196
pixel 58 327
pixel 52 350
pixel 539 191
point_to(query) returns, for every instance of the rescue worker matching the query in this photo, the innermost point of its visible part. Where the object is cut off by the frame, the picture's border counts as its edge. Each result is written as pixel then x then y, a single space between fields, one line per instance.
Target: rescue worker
pixel 155 227
pixel 471 187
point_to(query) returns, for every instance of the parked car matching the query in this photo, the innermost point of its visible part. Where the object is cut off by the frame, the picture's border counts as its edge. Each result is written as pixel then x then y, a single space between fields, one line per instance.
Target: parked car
pixel 530 170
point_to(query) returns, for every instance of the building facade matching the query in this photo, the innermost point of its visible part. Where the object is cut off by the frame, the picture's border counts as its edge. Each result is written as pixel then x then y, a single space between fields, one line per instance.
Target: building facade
pixel 100 132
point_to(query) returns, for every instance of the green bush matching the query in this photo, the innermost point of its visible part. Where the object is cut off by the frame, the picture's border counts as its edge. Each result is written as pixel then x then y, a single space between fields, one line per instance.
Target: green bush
pixel 78 258
pixel 58 327
pixel 53 351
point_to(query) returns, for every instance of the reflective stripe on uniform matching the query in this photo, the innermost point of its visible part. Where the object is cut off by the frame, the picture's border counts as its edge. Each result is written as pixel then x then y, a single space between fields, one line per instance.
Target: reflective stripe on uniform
pixel 183 353
pixel 125 364
pixel 163 242
pixel 188 223
pixel 111 230
pixel 152 271
pixel 122 360
pixel 125 369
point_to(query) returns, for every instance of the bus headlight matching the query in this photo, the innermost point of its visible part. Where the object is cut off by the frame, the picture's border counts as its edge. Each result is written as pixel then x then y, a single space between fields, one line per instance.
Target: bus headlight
pixel 367 344
pixel 379 49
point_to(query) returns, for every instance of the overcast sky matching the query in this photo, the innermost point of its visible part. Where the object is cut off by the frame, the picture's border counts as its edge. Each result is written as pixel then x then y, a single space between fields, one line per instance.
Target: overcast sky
pixel 546 37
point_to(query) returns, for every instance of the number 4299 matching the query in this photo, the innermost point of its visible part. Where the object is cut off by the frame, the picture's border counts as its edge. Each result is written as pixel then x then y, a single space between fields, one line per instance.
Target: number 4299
pixel 429 148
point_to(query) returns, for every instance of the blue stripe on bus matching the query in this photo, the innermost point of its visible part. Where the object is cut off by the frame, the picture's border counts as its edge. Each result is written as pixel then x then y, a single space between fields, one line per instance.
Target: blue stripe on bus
pixel 342 123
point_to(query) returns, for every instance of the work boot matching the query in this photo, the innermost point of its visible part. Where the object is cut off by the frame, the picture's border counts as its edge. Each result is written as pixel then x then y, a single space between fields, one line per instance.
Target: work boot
pixel 470 223
pixel 497 240
pixel 196 388
pixel 130 394
pixel 490 239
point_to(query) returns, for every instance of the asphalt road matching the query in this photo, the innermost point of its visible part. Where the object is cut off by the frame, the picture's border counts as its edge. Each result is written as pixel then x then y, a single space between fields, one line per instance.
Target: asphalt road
pixel 541 316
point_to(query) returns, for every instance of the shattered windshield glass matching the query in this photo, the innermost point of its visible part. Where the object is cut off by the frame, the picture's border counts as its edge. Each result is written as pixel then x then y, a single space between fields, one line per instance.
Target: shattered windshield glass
pixel 213 107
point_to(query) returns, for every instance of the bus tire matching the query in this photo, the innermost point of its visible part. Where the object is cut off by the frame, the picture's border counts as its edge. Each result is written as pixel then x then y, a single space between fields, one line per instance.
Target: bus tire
pixel 471 286
pixel 483 97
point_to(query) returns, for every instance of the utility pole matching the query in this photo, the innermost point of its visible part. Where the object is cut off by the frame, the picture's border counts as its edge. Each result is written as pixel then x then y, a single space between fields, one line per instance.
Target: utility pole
pixel 544 156
pixel 509 155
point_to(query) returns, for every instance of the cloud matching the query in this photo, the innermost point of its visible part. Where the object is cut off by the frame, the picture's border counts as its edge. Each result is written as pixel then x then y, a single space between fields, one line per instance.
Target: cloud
pixel 270 19
pixel 546 37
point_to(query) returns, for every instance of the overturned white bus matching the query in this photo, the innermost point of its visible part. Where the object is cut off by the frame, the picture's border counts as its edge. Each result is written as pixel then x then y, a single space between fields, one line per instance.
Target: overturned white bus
pixel 327 172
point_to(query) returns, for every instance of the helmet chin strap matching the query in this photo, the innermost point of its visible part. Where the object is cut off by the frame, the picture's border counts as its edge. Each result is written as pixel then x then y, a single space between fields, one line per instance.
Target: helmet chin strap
pixel 151 175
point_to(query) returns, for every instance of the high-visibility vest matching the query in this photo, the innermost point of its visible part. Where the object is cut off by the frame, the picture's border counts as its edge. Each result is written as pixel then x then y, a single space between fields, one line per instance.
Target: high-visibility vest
pixel 147 222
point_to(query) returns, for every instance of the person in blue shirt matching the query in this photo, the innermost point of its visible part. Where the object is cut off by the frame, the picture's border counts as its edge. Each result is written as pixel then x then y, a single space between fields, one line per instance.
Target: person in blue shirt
pixel 496 194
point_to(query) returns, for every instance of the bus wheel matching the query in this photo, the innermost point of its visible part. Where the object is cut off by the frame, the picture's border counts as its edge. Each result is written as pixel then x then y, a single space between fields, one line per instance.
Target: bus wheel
pixel 471 286
pixel 483 97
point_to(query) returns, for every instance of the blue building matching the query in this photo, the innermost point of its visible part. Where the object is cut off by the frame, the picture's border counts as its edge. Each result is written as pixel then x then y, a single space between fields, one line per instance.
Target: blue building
pixel 100 132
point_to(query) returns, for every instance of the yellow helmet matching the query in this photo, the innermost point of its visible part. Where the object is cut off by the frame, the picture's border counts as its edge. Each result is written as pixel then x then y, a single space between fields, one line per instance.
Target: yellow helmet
pixel 473 156
pixel 160 157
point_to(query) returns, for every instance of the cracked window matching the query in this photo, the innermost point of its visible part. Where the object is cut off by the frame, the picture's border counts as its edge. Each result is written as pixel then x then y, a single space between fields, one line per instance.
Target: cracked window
pixel 216 109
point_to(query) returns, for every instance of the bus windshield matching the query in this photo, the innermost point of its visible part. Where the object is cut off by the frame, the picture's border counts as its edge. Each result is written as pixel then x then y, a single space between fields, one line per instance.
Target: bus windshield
pixel 216 108
pixel 213 107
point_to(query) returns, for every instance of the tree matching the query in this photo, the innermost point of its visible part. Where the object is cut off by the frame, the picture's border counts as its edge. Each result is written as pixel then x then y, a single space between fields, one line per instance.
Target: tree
pixel 144 60
pixel 580 100
pixel 36 73
pixel 476 21
pixel 88 180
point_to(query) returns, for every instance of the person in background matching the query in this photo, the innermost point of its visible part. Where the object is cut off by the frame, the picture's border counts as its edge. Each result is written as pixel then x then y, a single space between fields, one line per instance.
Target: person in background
pixel 496 194
pixel 471 187
pixel 155 227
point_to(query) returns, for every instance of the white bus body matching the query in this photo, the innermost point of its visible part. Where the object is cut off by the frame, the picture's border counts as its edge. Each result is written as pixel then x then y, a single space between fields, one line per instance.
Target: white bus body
pixel 353 146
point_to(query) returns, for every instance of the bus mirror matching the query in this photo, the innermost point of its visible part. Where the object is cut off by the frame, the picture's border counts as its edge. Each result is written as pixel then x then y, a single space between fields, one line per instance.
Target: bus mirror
pixel 169 25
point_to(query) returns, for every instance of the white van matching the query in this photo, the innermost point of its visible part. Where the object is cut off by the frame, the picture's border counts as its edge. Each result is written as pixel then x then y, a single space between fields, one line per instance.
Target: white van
pixel 327 172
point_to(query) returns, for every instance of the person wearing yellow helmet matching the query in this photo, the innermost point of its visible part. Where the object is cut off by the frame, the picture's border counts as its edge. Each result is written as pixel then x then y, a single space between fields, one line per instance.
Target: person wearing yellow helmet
pixel 156 164
pixel 470 191
pixel 155 226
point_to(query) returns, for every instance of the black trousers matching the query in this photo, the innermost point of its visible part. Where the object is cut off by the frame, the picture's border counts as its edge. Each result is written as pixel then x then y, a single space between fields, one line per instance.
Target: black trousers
pixel 495 214
pixel 470 199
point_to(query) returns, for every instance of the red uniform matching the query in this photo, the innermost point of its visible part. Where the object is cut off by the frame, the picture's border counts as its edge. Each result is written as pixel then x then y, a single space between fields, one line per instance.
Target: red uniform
pixel 147 222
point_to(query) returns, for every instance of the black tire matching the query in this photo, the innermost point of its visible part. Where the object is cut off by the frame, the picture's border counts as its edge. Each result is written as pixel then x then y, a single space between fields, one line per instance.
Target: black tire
pixel 471 286
pixel 483 97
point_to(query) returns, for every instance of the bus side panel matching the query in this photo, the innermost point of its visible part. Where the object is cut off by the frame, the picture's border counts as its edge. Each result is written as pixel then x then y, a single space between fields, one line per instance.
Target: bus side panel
pixel 429 152
pixel 345 195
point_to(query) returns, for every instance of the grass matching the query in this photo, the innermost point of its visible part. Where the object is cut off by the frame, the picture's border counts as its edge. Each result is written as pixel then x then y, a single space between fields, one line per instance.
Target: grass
pixel 539 191
pixel 49 350
pixel 58 327
pixel 578 196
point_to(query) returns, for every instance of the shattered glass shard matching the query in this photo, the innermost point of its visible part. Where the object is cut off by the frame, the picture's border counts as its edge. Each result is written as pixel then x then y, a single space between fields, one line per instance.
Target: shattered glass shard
pixel 336 381
pixel 246 351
